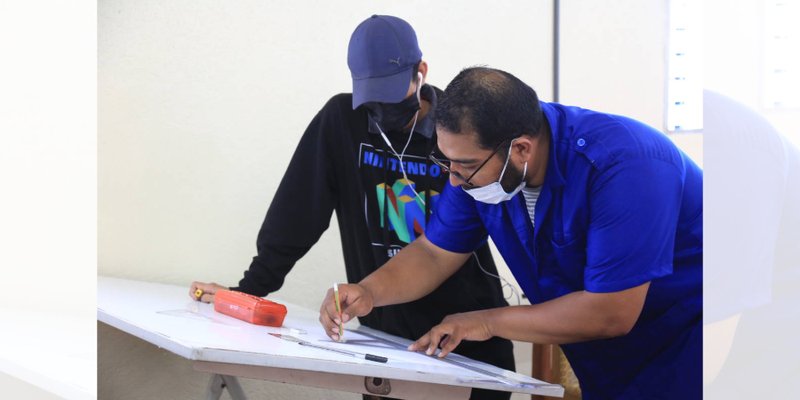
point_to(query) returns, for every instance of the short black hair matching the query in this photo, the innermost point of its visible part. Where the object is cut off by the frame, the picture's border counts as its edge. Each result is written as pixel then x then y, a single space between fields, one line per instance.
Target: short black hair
pixel 495 104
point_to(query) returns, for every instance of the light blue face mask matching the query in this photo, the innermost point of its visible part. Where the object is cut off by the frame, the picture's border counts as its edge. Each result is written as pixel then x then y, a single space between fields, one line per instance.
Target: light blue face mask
pixel 494 193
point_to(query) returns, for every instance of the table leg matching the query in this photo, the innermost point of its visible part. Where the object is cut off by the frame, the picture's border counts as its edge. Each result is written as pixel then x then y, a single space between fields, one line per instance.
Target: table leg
pixel 218 383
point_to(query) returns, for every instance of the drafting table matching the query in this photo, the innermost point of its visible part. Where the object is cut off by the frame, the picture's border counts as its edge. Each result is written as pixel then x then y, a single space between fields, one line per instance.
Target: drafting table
pixel 50 351
pixel 165 316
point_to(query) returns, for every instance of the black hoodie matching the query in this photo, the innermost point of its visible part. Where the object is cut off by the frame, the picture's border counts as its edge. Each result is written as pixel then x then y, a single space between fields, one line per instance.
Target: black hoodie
pixel 341 165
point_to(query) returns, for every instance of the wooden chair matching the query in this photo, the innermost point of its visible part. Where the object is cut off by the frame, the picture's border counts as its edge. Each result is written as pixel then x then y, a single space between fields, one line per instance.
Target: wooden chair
pixel 550 365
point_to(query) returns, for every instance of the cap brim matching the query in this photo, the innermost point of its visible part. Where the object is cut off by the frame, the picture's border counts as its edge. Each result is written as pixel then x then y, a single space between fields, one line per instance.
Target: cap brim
pixel 386 89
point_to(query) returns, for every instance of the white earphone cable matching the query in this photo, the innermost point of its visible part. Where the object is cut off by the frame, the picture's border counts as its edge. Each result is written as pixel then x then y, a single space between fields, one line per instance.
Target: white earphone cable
pixel 503 281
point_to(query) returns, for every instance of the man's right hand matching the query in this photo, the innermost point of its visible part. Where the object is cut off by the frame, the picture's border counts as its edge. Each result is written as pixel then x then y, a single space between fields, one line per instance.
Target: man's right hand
pixel 209 289
pixel 356 301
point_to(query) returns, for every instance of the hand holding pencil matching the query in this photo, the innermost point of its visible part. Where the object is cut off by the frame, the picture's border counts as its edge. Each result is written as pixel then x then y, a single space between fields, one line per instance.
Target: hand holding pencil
pixel 353 301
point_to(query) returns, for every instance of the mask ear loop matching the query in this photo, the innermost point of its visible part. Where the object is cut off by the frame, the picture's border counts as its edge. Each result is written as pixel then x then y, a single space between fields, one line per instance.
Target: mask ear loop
pixel 508 157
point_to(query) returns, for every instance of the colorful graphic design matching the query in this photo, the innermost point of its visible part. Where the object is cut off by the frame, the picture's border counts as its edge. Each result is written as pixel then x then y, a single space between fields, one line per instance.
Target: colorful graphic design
pixel 406 212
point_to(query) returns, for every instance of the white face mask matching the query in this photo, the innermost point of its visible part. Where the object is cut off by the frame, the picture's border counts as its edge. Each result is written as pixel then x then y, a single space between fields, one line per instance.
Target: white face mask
pixel 494 193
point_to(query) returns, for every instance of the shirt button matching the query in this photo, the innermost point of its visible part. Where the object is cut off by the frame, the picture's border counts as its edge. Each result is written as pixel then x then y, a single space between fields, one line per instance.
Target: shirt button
pixel 581 142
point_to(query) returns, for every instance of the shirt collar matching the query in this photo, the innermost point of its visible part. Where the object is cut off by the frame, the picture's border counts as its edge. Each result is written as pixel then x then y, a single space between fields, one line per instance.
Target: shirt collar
pixel 553 177
pixel 425 126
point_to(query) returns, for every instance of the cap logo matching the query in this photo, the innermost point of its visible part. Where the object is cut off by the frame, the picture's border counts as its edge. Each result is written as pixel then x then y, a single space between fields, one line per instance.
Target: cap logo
pixel 393 61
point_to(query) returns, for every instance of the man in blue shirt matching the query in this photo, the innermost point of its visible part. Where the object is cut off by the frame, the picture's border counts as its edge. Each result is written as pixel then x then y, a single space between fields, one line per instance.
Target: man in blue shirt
pixel 598 216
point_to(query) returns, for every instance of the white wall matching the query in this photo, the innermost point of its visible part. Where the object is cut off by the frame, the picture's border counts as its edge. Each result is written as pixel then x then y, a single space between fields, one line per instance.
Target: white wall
pixel 202 103
pixel 614 57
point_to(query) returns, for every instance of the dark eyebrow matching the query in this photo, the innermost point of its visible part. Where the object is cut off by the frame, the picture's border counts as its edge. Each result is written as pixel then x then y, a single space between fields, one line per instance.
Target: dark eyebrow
pixel 467 161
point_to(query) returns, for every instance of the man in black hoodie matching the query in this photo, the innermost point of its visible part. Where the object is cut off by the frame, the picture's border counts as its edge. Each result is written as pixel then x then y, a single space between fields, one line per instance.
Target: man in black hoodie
pixel 365 156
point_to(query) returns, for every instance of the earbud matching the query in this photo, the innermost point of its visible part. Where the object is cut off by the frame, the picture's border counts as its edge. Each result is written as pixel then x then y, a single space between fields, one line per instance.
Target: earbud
pixel 419 88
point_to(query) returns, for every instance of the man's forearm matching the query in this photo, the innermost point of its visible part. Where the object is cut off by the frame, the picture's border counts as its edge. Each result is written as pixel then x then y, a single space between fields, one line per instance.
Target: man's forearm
pixel 412 273
pixel 575 317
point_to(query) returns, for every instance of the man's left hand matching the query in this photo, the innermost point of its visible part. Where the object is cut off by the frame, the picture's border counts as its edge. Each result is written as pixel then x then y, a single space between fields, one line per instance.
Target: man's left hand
pixel 453 329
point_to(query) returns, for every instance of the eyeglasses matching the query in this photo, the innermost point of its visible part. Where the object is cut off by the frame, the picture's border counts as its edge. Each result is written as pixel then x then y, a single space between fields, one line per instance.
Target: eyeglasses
pixel 445 164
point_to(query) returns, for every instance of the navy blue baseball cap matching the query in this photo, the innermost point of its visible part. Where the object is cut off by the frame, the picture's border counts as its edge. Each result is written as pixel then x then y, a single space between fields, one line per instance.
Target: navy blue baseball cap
pixel 382 52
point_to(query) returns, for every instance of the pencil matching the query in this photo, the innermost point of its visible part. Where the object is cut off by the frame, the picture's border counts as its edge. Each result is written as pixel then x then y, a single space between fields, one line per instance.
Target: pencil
pixel 338 309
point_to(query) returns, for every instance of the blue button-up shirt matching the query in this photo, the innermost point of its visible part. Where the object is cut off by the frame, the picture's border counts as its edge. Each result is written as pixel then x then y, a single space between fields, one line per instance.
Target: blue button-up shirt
pixel 620 206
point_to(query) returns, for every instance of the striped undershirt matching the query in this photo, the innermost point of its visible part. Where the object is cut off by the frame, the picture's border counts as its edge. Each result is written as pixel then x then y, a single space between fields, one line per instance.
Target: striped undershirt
pixel 531 195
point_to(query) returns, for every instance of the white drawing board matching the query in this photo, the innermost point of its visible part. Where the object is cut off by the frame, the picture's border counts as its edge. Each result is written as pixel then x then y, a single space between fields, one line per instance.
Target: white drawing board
pixel 166 316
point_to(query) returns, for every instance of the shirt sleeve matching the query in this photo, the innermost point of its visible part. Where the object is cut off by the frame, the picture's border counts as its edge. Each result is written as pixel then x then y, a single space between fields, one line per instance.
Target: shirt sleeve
pixel 455 224
pixel 634 207
pixel 300 211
